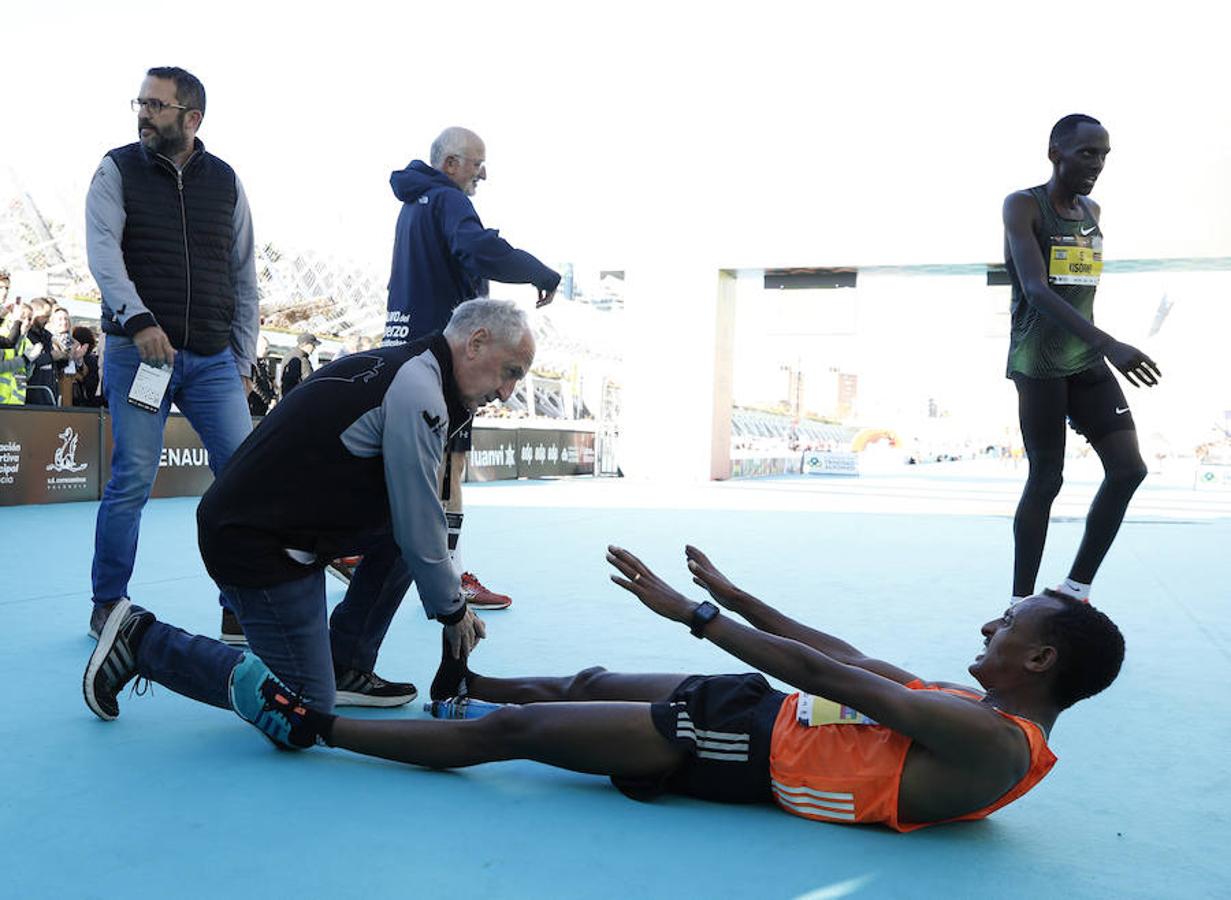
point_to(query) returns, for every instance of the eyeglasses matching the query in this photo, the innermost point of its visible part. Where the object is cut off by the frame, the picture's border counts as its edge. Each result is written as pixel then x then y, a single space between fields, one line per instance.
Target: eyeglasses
pixel 154 105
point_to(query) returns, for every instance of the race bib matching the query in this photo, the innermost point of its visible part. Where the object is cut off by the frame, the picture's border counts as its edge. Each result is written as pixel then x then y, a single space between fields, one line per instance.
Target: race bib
pixel 811 711
pixel 1075 260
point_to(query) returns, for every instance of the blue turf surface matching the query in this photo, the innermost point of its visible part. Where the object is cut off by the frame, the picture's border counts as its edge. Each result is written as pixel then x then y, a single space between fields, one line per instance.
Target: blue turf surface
pixel 177 799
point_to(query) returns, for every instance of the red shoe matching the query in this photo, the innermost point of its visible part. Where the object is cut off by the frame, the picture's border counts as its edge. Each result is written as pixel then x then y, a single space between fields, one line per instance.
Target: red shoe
pixel 480 597
pixel 343 568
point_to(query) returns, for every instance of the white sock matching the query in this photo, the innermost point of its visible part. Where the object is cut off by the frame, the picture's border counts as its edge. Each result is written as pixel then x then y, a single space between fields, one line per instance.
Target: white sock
pixel 454 521
pixel 1074 589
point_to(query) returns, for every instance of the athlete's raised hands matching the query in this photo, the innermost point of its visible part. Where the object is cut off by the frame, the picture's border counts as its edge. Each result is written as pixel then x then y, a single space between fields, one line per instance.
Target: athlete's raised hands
pixel 706 574
pixel 1134 365
pixel 647 587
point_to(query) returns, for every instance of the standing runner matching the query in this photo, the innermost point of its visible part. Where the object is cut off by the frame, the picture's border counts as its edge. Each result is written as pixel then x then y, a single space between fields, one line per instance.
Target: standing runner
pixel 1054 255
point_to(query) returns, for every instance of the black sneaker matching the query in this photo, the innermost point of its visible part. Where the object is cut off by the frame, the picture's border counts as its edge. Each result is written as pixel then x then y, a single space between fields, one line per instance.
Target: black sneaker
pixel 232 632
pixel 114 661
pixel 99 615
pixel 357 688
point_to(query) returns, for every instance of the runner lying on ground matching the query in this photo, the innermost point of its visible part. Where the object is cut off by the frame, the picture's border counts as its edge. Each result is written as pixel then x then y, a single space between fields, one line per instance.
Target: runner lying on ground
pixel 862 741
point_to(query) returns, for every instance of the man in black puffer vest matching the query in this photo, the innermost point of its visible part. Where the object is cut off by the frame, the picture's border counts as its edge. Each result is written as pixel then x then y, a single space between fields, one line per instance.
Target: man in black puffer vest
pixel 169 239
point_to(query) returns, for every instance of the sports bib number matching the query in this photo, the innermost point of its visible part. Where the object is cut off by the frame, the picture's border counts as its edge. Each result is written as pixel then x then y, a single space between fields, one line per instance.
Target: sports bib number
pixel 1075 260
pixel 811 711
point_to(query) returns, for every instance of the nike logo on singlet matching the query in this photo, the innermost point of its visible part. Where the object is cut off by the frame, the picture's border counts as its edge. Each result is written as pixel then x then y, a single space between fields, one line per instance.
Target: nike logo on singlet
pixel 1120 412
pixel 1088 231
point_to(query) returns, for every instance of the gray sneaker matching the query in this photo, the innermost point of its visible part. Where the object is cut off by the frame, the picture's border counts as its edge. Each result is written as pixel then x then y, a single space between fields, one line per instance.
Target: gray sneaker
pixel 114 661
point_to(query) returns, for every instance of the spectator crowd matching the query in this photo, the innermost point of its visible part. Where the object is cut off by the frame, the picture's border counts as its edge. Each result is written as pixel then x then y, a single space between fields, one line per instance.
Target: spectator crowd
pixel 47 360
pixel 44 359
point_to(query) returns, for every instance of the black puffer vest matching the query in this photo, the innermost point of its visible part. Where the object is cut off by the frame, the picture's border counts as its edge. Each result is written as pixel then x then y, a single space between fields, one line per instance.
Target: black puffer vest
pixel 178 234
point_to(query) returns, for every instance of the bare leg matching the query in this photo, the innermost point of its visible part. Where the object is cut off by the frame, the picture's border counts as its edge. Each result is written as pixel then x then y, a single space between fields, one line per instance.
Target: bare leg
pixel 588 685
pixel 597 738
pixel 1123 470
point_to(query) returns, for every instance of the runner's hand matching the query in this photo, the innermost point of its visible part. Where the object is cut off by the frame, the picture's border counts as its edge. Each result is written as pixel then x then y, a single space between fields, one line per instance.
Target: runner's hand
pixel 1133 364
pixel 545 297
pixel 648 587
pixel 706 574
pixel 154 346
pixel 465 634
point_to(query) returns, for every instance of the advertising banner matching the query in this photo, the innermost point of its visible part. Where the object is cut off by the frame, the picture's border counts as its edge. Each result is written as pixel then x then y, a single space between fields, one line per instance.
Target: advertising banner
pixel 763 466
pixel 500 453
pixel 493 454
pixel 48 455
pixel 52 455
pixel 546 453
pixel 183 466
pixel 1213 476
pixel 817 462
pixel 577 454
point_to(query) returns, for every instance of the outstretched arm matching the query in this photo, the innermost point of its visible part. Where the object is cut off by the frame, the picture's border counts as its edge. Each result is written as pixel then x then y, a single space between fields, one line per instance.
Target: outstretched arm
pixel 1020 213
pixel 485 254
pixel 955 728
pixel 765 618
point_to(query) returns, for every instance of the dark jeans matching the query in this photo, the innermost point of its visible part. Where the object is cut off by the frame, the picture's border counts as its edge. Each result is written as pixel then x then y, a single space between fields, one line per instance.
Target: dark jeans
pixel 286 626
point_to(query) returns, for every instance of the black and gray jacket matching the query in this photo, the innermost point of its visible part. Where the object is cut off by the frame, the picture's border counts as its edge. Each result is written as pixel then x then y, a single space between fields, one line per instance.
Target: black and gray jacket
pixel 174 247
pixel 296 368
pixel 350 456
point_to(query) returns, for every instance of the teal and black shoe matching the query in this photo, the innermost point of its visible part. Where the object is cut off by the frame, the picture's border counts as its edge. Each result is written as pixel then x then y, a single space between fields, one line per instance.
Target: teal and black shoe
pixel 260 698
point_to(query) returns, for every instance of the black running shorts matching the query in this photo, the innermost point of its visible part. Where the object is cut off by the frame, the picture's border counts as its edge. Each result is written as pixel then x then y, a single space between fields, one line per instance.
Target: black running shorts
pixel 725 722
pixel 1092 400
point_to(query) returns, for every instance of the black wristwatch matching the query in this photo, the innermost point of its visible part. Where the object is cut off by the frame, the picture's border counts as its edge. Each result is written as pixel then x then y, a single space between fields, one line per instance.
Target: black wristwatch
pixel 705 613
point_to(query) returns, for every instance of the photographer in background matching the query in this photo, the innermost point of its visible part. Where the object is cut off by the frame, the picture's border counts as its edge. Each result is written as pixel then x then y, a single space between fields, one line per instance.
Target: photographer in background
pixel 14 317
pixel 264 393
pixel 46 355
pixel 86 387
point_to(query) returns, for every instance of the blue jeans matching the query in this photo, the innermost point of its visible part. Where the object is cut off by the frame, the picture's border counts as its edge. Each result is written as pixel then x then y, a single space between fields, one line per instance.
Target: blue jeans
pixel 286 626
pixel 207 389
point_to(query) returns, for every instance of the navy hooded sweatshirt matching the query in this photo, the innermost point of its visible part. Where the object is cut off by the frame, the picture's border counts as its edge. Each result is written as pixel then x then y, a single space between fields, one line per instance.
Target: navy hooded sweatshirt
pixel 443 256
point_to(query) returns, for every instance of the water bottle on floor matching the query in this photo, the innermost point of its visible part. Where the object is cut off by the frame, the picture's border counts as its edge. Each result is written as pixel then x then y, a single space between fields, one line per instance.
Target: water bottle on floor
pixel 460 708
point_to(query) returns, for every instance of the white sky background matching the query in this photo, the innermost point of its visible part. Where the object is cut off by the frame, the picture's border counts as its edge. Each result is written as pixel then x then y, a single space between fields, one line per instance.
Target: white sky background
pixel 753 133
pixel 737 134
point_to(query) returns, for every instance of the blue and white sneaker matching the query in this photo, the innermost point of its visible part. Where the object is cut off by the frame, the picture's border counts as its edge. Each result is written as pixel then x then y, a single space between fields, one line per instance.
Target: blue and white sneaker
pixel 114 661
pixel 260 698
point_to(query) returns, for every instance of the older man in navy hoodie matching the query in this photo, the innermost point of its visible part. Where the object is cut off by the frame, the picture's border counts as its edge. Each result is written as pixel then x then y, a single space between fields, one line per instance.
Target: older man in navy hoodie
pixel 443 256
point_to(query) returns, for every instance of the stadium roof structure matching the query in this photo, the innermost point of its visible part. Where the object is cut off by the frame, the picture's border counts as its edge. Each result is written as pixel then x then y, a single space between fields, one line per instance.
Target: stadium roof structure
pixel 299 290
pixel 30 241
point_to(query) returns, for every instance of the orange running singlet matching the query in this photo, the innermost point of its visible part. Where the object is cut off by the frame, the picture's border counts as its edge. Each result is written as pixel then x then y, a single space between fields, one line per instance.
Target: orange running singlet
pixel 851 773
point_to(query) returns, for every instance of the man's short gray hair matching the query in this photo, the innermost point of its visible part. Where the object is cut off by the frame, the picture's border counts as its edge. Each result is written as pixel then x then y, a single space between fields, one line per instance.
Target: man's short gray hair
pixel 452 141
pixel 502 319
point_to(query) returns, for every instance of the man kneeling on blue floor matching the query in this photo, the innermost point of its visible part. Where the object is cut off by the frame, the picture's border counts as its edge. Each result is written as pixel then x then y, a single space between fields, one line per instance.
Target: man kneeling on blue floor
pixel 346 465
